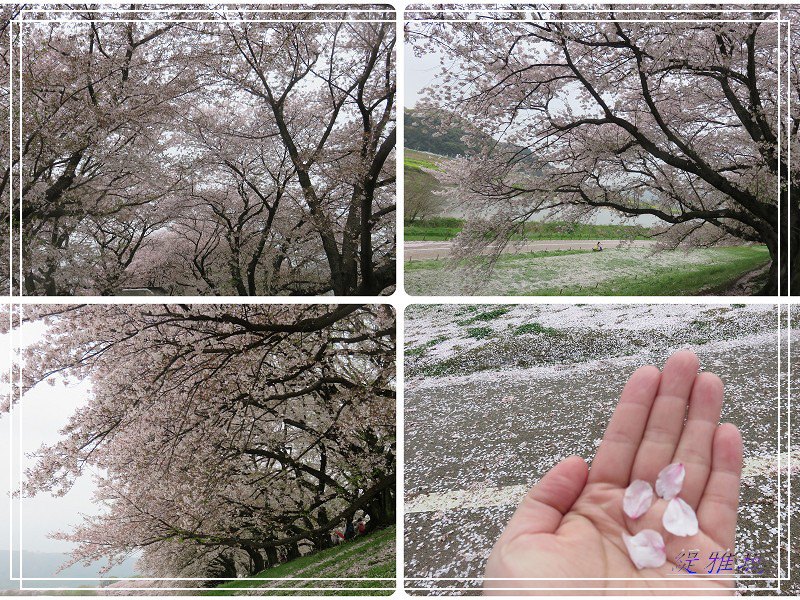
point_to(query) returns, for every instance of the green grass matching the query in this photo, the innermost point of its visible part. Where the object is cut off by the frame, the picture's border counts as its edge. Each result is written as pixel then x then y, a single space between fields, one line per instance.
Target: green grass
pixel 417 158
pixel 562 230
pixel 479 333
pixel 534 328
pixel 371 556
pixel 686 281
pixel 437 229
pixel 415 162
pixel 488 315
pixel 443 229
pixel 422 348
pixel 623 272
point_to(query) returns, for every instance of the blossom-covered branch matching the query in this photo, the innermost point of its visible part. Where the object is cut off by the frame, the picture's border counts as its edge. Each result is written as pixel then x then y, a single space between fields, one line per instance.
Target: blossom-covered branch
pixel 249 430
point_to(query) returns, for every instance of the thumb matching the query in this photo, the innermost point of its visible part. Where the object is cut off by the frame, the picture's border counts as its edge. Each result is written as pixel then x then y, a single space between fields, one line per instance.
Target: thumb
pixel 550 499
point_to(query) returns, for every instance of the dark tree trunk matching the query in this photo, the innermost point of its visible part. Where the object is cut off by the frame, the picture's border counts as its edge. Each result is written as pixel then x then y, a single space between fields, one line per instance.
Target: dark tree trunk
pixel 792 254
pixel 775 236
pixel 381 510
pixel 272 556
pixel 256 560
pixel 323 540
pixel 292 551
pixel 224 568
pixel 770 287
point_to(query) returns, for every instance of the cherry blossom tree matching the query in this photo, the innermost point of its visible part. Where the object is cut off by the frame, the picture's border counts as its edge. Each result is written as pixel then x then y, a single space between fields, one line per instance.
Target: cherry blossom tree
pixel 674 117
pixel 92 99
pixel 6 181
pixel 223 438
pixel 339 138
pixel 792 87
pixel 241 227
pixel 218 152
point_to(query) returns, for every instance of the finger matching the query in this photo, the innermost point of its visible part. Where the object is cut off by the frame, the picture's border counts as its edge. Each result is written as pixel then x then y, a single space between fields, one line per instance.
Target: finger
pixel 614 458
pixel 694 448
pixel 719 504
pixel 665 424
pixel 550 499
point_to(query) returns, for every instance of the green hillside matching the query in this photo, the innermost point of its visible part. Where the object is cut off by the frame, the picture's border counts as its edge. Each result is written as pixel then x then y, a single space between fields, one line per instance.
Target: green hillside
pixel 443 133
pixel 420 129
pixel 421 200
pixel 445 228
pixel 370 556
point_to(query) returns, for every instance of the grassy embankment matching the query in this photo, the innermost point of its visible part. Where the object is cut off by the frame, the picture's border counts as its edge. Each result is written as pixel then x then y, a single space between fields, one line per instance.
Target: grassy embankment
pixel 415 160
pixel 686 281
pixel 444 228
pixel 713 276
pixel 370 556
pixel 531 273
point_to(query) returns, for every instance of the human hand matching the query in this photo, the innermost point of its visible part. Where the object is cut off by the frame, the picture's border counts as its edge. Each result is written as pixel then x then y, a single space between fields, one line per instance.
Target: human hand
pixel 570 524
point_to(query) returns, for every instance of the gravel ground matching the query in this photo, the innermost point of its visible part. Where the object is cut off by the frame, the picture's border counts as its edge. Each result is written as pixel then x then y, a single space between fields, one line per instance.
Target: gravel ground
pixel 496 395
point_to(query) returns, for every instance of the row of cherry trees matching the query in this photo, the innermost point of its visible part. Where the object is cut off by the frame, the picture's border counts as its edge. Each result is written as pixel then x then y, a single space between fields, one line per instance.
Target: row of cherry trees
pixel 6 14
pixel 223 438
pixel 220 152
pixel 677 115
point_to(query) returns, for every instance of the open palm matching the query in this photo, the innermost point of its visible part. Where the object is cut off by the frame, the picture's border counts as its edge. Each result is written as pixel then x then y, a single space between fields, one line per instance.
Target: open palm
pixel 569 526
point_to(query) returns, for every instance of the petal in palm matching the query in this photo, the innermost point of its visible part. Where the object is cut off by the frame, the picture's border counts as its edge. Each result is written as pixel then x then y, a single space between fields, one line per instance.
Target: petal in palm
pixel 568 531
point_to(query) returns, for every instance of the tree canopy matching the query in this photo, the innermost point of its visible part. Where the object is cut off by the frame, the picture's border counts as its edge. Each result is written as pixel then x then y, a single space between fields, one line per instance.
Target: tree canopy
pixel 225 151
pixel 670 114
pixel 223 438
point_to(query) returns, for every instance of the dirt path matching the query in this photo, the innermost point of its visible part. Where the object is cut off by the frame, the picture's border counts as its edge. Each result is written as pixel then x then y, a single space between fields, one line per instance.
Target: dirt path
pixel 437 250
pixel 747 285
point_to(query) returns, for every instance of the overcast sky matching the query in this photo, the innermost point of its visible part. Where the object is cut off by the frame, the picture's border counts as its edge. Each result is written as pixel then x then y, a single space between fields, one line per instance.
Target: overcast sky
pixel 419 72
pixel 42 413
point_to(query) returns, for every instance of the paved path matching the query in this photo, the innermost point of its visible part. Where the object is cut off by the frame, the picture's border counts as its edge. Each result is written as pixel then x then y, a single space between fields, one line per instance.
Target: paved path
pixel 475 444
pixel 511 495
pixel 435 250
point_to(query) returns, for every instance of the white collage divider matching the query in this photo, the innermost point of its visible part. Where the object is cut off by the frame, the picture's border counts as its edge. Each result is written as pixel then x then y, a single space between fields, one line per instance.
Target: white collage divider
pixel 400 300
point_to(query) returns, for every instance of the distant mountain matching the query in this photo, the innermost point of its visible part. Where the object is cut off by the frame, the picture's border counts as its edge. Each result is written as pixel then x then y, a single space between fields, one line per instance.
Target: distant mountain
pixel 423 131
pixel 46 564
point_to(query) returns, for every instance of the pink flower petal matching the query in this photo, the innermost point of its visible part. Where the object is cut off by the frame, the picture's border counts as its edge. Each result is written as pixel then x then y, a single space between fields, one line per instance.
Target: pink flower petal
pixel 646 548
pixel 638 498
pixel 670 481
pixel 679 518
